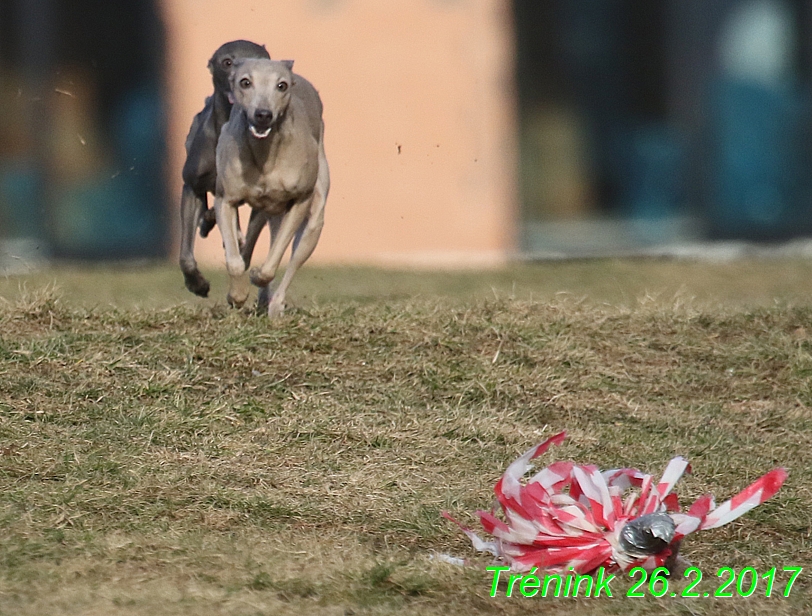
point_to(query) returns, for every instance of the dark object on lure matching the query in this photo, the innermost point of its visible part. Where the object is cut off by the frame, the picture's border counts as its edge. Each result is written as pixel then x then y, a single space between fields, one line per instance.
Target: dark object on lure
pixel 648 534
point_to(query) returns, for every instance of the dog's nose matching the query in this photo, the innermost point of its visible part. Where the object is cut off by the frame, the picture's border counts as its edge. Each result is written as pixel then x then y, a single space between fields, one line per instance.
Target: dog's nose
pixel 263 116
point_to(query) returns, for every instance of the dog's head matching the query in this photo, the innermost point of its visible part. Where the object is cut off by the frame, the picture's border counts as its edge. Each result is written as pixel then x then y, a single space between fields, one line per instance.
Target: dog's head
pixel 224 58
pixel 262 89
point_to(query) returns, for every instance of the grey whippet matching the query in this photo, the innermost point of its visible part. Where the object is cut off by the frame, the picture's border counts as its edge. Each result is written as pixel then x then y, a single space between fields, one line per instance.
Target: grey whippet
pixel 200 170
pixel 271 156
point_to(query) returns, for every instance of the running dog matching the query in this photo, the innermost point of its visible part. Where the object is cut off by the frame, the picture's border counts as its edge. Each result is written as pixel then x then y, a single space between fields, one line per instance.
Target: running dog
pixel 200 171
pixel 271 156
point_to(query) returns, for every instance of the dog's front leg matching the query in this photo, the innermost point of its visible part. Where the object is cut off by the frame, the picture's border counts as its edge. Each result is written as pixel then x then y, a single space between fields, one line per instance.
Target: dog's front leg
pixel 228 220
pixel 307 236
pixel 191 208
pixel 291 222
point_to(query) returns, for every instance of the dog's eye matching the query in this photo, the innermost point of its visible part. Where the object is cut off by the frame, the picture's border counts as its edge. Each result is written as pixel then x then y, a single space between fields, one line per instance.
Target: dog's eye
pixel 282 86
pixel 227 62
pixel 245 83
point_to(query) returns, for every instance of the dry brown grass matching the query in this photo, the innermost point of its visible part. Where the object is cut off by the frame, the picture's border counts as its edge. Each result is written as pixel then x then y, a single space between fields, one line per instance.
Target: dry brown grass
pixel 196 460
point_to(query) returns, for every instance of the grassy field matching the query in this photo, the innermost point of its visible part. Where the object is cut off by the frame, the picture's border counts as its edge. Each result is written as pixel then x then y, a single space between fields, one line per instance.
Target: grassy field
pixel 745 283
pixel 161 454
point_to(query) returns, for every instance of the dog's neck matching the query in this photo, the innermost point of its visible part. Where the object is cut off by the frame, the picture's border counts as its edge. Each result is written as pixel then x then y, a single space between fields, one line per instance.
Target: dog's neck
pixel 221 109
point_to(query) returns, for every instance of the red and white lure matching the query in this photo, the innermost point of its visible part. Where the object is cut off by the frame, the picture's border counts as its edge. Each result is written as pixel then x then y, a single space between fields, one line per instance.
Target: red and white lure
pixel 570 516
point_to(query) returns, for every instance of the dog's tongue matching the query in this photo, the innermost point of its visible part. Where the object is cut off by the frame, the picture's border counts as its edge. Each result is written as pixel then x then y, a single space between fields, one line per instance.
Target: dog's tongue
pixel 260 135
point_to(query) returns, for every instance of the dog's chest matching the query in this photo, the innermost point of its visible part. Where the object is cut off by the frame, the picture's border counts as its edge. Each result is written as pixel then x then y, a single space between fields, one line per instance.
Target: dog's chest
pixel 273 189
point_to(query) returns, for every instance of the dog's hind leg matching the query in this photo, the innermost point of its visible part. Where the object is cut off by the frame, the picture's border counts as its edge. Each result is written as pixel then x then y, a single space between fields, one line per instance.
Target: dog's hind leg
pixel 255 225
pixel 207 222
pixel 266 292
pixel 291 221
pixel 191 209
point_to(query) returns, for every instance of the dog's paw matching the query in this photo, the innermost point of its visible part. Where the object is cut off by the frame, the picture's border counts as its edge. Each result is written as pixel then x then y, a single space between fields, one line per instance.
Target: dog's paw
pixel 276 309
pixel 236 302
pixel 207 222
pixel 238 291
pixel 264 299
pixel 197 284
pixel 258 280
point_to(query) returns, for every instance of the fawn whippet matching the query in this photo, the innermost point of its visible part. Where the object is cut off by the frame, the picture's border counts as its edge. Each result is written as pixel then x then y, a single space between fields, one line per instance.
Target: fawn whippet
pixel 271 156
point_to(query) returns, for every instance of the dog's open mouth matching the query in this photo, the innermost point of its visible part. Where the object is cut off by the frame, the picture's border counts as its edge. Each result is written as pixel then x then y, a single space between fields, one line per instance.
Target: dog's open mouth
pixel 259 134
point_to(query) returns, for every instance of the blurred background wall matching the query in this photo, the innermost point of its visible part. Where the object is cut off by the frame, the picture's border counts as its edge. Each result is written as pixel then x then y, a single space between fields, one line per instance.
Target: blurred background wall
pixel 459 132
pixel 655 122
pixel 82 130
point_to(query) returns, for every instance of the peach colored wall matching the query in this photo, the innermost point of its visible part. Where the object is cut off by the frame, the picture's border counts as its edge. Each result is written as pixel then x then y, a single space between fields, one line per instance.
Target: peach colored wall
pixel 434 77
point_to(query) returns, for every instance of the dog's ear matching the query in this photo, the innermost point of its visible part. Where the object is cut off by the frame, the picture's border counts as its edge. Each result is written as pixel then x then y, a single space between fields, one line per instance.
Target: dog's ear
pixel 232 77
pixel 288 63
pixel 235 66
